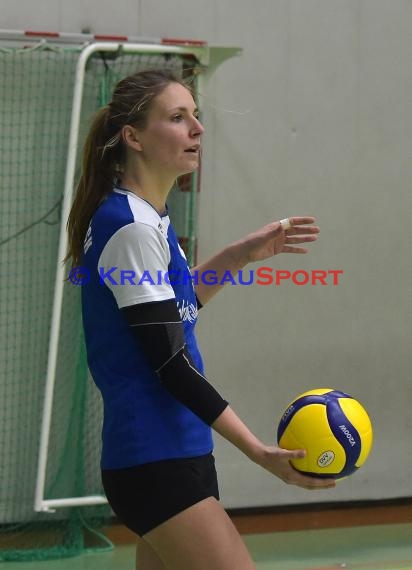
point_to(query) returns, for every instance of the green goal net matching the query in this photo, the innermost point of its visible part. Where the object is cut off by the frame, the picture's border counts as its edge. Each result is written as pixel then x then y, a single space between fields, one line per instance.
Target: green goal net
pixel 36 100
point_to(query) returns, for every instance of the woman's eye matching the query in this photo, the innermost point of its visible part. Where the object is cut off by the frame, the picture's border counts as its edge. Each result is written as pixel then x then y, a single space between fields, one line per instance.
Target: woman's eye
pixel 180 117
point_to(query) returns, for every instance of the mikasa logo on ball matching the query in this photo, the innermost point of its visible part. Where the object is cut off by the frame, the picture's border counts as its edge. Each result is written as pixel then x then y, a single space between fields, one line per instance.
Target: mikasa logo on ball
pixel 348 435
pixel 326 458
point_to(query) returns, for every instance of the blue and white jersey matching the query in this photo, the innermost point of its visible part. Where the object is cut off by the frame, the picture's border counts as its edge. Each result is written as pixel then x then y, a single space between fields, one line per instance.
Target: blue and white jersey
pixel 128 250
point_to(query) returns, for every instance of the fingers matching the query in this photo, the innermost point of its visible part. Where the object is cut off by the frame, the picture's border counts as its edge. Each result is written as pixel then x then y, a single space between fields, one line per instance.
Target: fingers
pixel 302 220
pixel 297 230
pixel 291 453
pixel 296 239
pixel 296 226
pixel 300 239
pixel 313 483
pixel 287 223
pixel 290 249
pixel 294 477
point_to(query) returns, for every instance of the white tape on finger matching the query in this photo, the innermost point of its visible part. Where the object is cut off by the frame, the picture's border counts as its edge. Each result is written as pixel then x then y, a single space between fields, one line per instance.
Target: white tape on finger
pixel 286 224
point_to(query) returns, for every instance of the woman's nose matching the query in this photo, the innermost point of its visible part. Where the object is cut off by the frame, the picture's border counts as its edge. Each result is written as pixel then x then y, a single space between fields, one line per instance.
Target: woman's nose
pixel 198 128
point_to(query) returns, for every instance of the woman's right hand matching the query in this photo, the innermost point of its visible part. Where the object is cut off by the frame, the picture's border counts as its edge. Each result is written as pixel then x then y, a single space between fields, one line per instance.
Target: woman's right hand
pixel 276 460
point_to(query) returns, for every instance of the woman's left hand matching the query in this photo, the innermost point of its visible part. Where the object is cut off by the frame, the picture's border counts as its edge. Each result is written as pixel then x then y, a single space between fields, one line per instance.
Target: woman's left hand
pixel 273 239
pixel 276 237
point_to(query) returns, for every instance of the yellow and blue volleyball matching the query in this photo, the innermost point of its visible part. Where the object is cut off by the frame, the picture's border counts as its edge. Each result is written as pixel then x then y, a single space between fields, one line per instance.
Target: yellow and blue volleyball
pixel 333 428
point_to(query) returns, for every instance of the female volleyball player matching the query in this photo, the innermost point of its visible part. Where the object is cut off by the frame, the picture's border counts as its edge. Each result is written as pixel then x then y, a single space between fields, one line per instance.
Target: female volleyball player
pixel 159 410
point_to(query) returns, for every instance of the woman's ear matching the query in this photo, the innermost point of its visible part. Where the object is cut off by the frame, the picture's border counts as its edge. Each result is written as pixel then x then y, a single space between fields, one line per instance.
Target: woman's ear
pixel 130 137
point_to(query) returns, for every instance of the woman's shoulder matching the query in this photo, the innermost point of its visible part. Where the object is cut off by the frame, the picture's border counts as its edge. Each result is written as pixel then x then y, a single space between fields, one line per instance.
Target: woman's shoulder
pixel 123 208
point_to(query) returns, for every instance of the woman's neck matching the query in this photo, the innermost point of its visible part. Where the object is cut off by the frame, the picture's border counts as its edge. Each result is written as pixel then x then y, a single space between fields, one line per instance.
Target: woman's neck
pixel 155 192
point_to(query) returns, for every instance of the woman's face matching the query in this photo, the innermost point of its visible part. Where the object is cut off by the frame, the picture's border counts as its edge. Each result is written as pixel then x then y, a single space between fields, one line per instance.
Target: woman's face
pixel 171 139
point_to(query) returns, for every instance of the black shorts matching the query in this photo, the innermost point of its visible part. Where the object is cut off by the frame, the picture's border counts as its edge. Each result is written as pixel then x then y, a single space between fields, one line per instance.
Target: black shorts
pixel 145 496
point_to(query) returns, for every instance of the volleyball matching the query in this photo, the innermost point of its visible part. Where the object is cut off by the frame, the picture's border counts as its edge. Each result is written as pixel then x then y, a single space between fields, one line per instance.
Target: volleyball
pixel 333 428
